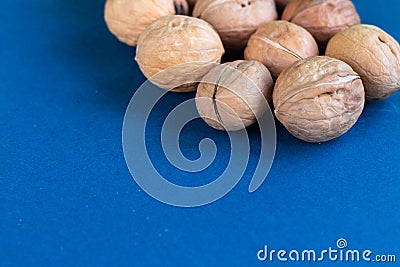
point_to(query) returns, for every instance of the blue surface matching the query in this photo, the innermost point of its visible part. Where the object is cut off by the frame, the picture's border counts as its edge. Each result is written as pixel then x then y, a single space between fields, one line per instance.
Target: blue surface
pixel 66 195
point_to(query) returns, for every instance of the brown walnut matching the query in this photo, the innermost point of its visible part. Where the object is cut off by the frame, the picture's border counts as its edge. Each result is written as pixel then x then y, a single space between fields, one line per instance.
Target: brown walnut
pixel 233 95
pixel 235 20
pixel 278 44
pixel 127 19
pixel 322 18
pixel 318 99
pixel 373 54
pixel 176 49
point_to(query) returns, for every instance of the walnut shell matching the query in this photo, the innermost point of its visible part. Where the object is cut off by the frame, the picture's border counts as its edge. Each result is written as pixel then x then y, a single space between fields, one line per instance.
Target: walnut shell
pixel 318 99
pixel 373 54
pixel 322 18
pixel 175 47
pixel 235 20
pixel 127 19
pixel 278 44
pixel 233 95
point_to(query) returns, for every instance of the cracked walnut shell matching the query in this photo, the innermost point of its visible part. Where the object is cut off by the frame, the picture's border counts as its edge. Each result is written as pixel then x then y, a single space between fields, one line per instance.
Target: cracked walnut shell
pixel 278 44
pixel 175 52
pixel 318 99
pixel 234 95
pixel 235 20
pixel 127 19
pixel 322 18
pixel 373 54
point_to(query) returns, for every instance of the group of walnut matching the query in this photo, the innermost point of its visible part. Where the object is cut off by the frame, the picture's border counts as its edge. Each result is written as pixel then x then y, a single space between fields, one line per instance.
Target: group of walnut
pixel 316 97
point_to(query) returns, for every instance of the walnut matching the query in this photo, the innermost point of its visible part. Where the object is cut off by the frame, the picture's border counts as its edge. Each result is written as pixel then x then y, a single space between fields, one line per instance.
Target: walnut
pixel 278 44
pixel 233 95
pixel 175 47
pixel 318 99
pixel 235 20
pixel 127 19
pixel 373 54
pixel 322 18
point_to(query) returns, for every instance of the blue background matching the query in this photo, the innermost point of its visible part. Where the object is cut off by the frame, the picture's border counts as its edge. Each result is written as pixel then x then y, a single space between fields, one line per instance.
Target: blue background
pixel 66 195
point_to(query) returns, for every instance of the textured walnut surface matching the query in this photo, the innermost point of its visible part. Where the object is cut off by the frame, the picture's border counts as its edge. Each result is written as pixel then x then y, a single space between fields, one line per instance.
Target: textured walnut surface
pixel 373 54
pixel 323 18
pixel 235 20
pixel 318 99
pixel 232 95
pixel 174 40
pixel 278 44
pixel 127 19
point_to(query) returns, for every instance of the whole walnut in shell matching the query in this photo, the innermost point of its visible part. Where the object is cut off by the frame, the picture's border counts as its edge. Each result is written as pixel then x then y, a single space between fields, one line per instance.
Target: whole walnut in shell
pixel 278 44
pixel 176 49
pixel 235 20
pixel 127 19
pixel 233 95
pixel 322 18
pixel 318 99
pixel 373 54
